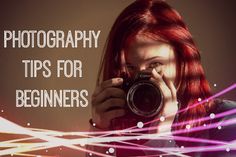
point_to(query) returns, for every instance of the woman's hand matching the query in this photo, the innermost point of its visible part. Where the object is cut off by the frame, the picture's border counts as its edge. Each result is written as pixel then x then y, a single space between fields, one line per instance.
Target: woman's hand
pixel 170 106
pixel 108 102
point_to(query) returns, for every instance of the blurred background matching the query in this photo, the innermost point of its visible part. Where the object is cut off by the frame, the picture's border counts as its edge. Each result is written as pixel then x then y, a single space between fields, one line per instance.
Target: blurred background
pixel 211 23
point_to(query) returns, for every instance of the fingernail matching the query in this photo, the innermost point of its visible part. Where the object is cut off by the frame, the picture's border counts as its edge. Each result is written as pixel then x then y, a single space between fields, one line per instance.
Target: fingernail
pixel 154 71
pixel 158 69
pixel 120 79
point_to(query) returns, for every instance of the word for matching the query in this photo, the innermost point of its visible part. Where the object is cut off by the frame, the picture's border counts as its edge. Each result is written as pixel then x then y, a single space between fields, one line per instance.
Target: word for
pixel 67 68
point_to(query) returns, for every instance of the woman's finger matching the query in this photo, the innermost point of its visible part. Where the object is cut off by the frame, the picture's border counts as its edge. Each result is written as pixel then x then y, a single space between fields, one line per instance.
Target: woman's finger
pixel 171 86
pixel 157 79
pixel 108 83
pixel 110 92
pixel 112 104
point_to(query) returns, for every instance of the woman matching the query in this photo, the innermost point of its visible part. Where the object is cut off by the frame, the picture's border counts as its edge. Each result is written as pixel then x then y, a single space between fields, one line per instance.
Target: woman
pixel 150 35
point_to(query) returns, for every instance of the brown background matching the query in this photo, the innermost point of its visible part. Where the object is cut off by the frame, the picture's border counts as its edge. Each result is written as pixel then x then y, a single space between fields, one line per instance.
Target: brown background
pixel 212 23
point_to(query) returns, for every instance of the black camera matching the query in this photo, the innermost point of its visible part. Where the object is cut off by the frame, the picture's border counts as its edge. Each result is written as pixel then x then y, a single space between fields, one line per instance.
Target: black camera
pixel 143 97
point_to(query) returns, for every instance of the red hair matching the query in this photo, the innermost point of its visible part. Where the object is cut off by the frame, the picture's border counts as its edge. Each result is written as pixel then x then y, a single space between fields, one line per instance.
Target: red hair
pixel 158 21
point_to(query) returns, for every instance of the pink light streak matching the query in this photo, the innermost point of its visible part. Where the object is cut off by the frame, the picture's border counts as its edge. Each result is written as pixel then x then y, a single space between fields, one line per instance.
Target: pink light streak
pixel 56 138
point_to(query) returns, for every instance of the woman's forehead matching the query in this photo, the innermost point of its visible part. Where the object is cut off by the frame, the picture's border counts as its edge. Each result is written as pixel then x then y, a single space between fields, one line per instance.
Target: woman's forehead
pixel 140 50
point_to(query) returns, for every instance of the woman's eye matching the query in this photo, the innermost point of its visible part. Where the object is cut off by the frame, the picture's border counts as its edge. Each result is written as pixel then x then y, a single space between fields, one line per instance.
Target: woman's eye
pixel 154 65
pixel 130 67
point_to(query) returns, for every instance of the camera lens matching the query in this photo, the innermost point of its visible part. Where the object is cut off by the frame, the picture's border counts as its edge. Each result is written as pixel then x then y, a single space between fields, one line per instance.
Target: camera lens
pixel 144 99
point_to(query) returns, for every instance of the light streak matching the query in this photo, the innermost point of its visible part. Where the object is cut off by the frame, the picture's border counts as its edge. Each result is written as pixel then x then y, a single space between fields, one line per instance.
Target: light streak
pixel 52 139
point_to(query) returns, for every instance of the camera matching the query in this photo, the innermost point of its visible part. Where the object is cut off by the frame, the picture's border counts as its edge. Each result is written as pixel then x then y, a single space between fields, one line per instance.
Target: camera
pixel 143 97
pixel 144 101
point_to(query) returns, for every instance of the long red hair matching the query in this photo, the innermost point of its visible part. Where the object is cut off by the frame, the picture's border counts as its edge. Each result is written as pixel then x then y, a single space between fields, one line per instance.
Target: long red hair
pixel 157 20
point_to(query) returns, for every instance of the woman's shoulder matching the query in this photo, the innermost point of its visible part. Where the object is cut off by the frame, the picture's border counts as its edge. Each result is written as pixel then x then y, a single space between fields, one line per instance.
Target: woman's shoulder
pixel 224 120
pixel 222 128
pixel 224 105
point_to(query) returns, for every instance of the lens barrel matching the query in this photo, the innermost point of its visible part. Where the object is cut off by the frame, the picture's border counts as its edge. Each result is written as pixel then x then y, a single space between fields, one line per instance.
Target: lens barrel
pixel 144 98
